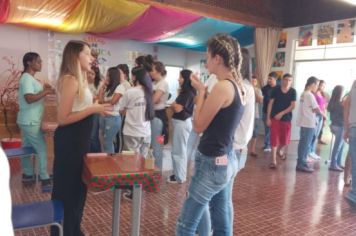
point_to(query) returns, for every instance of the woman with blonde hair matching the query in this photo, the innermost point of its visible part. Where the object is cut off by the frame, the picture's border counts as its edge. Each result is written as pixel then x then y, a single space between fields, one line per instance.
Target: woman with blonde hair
pixel 72 137
pixel 215 161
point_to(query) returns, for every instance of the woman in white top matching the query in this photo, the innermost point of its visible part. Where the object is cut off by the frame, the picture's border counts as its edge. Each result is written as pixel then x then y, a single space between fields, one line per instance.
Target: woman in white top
pixel 5 203
pixel 159 124
pixel 306 119
pixel 111 93
pixel 71 138
pixel 138 106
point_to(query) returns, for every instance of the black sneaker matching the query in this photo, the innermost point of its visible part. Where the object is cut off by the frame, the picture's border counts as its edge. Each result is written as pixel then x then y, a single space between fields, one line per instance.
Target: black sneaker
pixel 46 183
pixel 172 179
pixel 27 178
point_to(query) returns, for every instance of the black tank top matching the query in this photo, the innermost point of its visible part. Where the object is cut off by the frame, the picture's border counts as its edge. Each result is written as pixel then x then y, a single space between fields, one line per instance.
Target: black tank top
pixel 217 139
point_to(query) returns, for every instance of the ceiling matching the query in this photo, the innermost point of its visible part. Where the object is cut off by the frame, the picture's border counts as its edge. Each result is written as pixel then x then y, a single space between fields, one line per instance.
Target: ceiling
pixel 262 13
pixel 178 23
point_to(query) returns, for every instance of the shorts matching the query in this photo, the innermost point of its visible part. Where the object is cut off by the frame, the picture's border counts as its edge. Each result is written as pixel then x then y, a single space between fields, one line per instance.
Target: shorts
pixel 280 132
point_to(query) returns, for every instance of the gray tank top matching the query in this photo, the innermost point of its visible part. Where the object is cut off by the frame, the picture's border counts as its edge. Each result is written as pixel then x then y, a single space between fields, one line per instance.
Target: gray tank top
pixel 352 116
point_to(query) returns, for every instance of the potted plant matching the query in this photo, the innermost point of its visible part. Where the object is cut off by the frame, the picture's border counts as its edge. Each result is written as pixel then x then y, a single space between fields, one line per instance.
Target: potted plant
pixel 9 85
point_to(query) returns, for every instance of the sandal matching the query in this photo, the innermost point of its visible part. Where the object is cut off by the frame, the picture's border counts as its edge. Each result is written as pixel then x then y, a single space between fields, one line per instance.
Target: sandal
pixel 272 166
pixel 282 155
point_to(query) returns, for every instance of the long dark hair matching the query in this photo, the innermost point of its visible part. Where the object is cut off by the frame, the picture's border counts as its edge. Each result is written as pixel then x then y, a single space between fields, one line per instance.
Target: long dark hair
pixel 125 69
pixel 145 62
pixel 142 78
pixel 187 85
pixel 97 77
pixel 114 80
pixel 28 57
pixel 335 100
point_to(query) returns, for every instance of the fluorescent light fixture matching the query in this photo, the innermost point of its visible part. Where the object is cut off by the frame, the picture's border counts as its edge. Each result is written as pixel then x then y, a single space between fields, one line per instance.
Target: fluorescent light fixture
pixel 353 2
pixel 186 41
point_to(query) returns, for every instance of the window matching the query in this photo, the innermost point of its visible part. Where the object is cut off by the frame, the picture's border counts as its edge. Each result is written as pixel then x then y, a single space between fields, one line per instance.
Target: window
pixel 172 79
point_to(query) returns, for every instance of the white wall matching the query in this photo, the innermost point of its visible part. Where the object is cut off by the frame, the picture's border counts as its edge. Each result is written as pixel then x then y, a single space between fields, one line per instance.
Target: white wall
pixel 15 41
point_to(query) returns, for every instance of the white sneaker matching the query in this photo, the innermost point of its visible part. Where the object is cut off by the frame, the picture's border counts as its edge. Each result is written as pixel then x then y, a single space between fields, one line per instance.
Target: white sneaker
pixel 267 149
pixel 314 156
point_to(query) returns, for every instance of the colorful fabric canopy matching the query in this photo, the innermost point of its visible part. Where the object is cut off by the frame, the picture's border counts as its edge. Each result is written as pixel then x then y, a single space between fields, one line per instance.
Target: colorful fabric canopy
pixel 102 16
pixel 122 19
pixel 40 13
pixel 195 35
pixel 155 24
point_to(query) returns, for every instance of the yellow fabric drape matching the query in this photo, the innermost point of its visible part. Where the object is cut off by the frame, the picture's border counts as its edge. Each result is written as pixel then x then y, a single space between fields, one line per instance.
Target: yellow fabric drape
pixel 40 13
pixel 102 16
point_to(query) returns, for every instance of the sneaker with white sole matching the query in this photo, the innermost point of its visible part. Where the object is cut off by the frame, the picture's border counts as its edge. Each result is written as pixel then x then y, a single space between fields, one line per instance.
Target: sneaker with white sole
pixel 314 156
pixel 267 149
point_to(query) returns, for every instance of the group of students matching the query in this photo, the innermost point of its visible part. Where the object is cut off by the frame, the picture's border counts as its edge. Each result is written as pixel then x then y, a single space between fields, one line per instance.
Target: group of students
pixel 143 103
pixel 224 117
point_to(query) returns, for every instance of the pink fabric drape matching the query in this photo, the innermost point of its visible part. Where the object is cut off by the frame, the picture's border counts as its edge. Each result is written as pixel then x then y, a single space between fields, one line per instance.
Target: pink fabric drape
pixel 149 27
pixel 4 10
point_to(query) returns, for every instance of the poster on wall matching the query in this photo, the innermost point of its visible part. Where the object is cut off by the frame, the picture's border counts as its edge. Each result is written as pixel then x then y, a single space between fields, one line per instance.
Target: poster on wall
pixel 100 49
pixel 305 36
pixel 282 40
pixel 345 31
pixel 325 34
pixel 279 74
pixel 279 59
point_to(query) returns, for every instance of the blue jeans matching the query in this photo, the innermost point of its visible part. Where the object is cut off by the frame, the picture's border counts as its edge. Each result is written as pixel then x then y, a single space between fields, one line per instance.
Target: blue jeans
pixel 338 147
pixel 211 186
pixel 181 131
pixel 193 142
pixel 319 126
pixel 156 130
pixel 94 136
pixel 32 136
pixel 204 227
pixel 267 132
pixel 306 137
pixel 110 126
pixel 352 148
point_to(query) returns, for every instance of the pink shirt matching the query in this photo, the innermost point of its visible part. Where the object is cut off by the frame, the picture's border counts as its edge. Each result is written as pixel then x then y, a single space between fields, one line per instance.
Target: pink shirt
pixel 321 102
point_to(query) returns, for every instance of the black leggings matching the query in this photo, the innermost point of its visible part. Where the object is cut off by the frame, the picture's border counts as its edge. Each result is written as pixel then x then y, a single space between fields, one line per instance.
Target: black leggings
pixel 71 143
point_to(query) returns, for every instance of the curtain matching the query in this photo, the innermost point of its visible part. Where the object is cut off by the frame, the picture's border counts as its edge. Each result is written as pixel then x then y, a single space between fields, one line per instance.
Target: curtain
pixel 266 42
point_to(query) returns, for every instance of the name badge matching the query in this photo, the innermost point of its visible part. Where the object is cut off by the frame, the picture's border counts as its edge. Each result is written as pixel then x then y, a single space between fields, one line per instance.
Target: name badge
pixel 221 161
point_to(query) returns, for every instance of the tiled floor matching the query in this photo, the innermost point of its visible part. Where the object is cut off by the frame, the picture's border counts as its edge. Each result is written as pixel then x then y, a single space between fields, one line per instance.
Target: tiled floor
pixel 267 202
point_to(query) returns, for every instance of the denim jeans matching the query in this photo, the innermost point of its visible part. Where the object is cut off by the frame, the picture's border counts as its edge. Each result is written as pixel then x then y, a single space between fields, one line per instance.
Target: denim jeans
pixel 181 131
pixel 109 126
pixel 306 137
pixel 156 130
pixel 211 186
pixel 338 147
pixel 32 136
pixel 319 126
pixel 94 136
pixel 193 142
pixel 267 132
pixel 352 148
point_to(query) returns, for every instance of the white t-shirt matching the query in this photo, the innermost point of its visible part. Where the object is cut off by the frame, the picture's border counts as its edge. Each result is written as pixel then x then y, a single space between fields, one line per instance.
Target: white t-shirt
pixel 258 92
pixel 244 130
pixel 5 202
pixel 121 89
pixel 161 85
pixel 306 115
pixel 134 102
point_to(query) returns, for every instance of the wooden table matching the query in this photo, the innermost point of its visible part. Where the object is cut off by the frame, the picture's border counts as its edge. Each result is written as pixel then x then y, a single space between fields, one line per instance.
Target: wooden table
pixel 102 171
